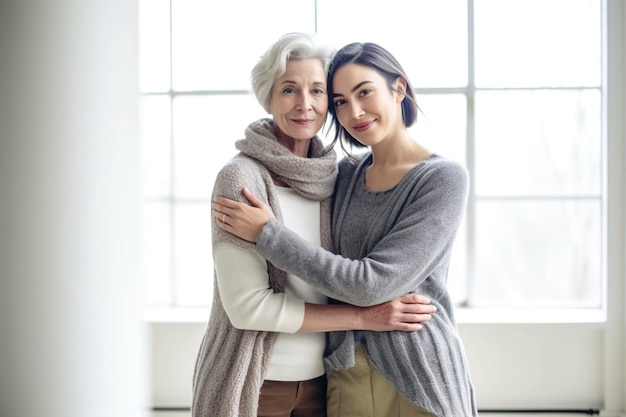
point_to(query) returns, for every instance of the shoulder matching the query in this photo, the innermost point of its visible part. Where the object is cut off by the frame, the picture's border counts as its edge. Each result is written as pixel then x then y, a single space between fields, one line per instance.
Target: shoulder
pixel 241 171
pixel 445 165
pixel 438 186
pixel 444 171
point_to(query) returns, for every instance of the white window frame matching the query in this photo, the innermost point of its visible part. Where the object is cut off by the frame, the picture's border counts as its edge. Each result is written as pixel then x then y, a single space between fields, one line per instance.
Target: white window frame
pixel 502 346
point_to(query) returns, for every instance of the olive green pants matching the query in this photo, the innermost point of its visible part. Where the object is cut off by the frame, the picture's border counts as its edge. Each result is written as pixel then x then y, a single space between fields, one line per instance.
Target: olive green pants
pixel 362 391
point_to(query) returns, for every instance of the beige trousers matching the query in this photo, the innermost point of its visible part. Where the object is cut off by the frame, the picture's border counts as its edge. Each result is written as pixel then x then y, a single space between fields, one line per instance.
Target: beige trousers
pixel 293 399
pixel 362 391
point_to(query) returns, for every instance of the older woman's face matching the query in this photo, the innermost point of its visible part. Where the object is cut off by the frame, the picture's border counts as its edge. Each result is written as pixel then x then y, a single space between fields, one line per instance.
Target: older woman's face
pixel 299 102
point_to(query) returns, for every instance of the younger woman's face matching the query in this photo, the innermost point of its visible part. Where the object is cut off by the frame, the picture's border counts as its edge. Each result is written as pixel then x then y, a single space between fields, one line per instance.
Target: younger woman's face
pixel 299 101
pixel 365 105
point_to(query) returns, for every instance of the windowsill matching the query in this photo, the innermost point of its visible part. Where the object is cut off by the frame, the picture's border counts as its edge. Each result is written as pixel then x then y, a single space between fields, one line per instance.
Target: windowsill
pixel 529 316
pixel 463 315
pixel 176 315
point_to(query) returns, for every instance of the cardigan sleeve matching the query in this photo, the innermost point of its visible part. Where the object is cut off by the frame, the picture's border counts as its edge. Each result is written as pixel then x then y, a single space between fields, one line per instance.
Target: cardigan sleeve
pixel 247 298
pixel 242 275
pixel 414 248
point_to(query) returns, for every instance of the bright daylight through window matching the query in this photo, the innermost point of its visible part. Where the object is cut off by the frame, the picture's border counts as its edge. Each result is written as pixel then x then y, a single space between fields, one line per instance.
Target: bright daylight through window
pixel 513 90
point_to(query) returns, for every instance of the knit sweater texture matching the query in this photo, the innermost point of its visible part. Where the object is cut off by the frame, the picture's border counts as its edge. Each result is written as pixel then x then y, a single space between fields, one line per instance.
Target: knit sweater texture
pixel 404 247
pixel 231 363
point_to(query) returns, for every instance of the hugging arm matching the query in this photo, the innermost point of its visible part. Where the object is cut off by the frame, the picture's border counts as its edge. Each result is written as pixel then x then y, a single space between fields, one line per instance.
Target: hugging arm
pixel 424 231
pixel 243 284
pixel 251 304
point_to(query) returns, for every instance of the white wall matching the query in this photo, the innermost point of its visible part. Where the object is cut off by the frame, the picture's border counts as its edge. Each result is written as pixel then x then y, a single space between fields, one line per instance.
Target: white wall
pixel 510 364
pixel 615 344
pixel 69 210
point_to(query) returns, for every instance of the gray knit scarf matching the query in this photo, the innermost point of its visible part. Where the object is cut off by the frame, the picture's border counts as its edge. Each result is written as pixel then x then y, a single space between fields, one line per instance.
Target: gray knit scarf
pixel 312 177
pixel 232 363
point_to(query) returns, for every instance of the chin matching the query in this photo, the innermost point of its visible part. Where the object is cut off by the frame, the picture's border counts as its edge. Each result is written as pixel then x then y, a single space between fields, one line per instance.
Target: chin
pixel 304 134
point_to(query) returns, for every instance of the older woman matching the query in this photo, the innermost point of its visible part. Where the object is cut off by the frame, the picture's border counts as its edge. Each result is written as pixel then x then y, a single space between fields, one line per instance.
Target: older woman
pixel 262 352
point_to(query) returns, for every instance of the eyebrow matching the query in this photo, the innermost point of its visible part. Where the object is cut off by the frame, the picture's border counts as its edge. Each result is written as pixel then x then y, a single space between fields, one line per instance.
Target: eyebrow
pixel 295 83
pixel 356 87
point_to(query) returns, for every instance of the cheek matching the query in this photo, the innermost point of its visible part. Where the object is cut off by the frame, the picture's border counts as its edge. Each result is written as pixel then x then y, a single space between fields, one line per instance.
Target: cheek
pixel 342 116
pixel 281 108
pixel 321 103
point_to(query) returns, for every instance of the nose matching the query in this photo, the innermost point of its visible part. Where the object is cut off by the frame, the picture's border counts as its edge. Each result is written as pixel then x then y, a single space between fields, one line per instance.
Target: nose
pixel 355 111
pixel 304 102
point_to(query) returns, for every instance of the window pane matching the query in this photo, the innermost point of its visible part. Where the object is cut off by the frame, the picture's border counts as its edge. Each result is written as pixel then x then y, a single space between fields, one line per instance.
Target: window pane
pixel 535 43
pixel 441 125
pixel 157 253
pixel 216 43
pixel 205 131
pixel 429 38
pixel 538 143
pixel 194 262
pixel 154 45
pixel 155 146
pixel 457 273
pixel 537 155
pixel 537 254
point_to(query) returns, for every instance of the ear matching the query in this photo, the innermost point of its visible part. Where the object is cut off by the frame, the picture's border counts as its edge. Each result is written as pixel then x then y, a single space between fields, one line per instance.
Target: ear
pixel 399 86
pixel 268 105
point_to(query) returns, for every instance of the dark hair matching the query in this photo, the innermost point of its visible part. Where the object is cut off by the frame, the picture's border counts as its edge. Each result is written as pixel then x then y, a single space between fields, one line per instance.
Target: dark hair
pixel 378 58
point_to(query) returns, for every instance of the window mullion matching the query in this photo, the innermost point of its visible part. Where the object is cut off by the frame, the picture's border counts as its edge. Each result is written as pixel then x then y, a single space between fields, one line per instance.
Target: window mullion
pixel 470 152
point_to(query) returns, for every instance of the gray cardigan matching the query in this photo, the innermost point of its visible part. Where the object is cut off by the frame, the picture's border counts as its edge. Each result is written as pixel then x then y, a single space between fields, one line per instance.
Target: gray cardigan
pixel 232 363
pixel 407 249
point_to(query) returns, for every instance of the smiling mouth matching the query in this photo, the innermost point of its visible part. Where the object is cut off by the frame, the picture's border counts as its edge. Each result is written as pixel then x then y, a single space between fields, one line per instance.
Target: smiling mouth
pixel 303 122
pixel 363 126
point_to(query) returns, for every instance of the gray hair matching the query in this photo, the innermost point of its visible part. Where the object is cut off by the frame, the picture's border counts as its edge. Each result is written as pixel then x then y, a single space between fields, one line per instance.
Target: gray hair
pixel 273 63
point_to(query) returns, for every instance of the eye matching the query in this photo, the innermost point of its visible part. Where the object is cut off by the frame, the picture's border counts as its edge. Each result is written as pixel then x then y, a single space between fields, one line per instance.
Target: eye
pixel 318 91
pixel 289 90
pixel 339 103
pixel 364 92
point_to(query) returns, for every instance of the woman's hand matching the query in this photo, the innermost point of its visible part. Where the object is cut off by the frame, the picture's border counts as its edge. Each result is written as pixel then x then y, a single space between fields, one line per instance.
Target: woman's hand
pixel 242 220
pixel 405 313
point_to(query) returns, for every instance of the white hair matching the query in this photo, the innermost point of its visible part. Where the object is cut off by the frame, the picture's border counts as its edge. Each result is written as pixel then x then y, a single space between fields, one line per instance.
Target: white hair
pixel 273 63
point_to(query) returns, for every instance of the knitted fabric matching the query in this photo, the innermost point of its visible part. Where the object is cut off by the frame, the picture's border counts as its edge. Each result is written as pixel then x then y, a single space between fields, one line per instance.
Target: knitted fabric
pixel 232 363
pixel 384 250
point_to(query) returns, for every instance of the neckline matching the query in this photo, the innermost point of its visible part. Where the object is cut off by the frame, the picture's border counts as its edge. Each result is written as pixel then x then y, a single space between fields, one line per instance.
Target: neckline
pixel 368 161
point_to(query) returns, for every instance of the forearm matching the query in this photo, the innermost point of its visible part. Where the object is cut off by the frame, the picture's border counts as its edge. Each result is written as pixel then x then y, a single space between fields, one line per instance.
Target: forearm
pixel 330 317
pixel 407 254
pixel 404 314
pixel 355 282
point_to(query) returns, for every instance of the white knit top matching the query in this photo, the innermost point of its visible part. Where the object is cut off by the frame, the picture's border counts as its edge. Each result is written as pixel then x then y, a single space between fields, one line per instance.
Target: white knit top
pixel 252 305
